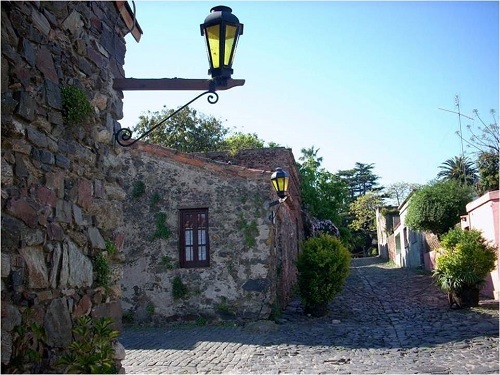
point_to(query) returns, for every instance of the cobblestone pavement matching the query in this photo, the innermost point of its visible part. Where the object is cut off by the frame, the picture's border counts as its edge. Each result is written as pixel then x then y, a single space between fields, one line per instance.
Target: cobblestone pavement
pixel 387 320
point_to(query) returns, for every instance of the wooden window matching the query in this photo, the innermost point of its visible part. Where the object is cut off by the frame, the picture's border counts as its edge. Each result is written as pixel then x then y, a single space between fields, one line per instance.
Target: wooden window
pixel 194 244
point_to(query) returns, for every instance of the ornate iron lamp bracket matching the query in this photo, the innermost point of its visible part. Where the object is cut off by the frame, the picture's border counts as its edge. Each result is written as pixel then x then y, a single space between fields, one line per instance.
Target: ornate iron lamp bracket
pixel 124 135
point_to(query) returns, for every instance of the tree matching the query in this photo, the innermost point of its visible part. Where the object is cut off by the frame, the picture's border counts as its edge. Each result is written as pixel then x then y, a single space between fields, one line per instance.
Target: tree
pixel 240 141
pixel 363 219
pixel 437 208
pixel 484 140
pixel 486 137
pixel 488 168
pixel 360 179
pixel 460 168
pixel 187 131
pixel 399 191
pixel 363 213
pixel 323 193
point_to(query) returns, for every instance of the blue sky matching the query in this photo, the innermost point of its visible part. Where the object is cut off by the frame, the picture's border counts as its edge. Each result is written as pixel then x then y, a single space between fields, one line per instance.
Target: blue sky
pixel 361 81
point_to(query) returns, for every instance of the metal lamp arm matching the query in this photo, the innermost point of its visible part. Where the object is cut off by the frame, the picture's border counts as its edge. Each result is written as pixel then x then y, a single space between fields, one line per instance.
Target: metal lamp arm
pixel 124 135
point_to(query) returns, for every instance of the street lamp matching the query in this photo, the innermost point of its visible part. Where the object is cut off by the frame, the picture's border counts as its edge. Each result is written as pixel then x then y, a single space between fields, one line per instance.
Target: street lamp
pixel 222 30
pixel 279 180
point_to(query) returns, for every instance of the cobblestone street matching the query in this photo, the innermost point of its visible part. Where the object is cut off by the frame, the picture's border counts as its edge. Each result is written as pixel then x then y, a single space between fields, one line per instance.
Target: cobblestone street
pixel 386 320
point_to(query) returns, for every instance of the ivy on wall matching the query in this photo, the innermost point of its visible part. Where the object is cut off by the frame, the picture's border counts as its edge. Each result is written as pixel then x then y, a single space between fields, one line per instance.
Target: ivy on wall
pixel 76 107
pixel 250 231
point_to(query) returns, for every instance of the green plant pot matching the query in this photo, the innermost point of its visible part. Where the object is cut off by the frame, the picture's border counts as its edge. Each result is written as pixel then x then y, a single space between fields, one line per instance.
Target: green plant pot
pixel 465 297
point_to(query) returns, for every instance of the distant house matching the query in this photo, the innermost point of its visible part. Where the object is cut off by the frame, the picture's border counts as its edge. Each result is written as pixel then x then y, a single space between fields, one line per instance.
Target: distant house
pixel 397 242
pixel 201 240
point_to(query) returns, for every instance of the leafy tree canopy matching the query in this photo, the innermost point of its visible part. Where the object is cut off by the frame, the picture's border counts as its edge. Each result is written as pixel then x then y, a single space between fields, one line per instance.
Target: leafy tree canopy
pixel 437 208
pixel 488 168
pixel 187 131
pixel 323 193
pixel 460 169
pixel 360 180
pixel 240 141
pixel 362 211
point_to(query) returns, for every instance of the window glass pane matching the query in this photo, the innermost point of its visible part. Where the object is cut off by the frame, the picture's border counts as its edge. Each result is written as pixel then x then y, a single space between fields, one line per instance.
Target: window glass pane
pixel 201 237
pixel 213 36
pixel 188 235
pixel 189 253
pixel 230 35
pixel 202 253
pixel 201 221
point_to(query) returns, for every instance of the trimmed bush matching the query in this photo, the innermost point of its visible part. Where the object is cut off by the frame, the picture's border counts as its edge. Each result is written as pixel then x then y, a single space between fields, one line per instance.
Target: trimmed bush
pixel 436 208
pixel 463 263
pixel 323 267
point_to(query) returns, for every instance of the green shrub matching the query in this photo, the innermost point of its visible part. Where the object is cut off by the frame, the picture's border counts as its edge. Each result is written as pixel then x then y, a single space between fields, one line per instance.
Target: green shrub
pixel 102 269
pixel 111 248
pixel 155 198
pixel 76 107
pixel 29 341
pixel 436 208
pixel 138 189
pixel 167 262
pixel 91 351
pixel 128 317
pixel 201 321
pixel 464 260
pixel 150 308
pixel 162 231
pixel 250 231
pixel 179 290
pixel 323 267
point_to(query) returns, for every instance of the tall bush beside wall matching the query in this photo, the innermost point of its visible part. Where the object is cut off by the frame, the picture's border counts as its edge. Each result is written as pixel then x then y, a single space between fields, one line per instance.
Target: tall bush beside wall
pixel 437 208
pixel 323 267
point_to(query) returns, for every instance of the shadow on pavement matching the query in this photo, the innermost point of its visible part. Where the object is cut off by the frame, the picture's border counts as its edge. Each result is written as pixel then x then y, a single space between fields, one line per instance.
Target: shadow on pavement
pixel 380 307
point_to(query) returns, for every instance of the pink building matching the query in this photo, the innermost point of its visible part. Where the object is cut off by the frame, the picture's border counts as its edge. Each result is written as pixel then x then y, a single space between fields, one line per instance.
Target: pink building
pixel 482 214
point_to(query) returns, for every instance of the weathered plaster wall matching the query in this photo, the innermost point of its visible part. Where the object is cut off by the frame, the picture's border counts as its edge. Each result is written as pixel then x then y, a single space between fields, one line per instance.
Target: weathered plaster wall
pixel 483 215
pixel 248 273
pixel 61 197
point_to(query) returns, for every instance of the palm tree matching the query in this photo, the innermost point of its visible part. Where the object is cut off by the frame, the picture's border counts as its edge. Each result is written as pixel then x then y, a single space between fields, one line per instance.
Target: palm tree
pixel 460 168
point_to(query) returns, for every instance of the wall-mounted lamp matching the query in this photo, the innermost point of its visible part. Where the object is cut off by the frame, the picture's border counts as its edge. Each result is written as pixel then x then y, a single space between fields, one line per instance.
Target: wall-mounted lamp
pixel 279 180
pixel 222 30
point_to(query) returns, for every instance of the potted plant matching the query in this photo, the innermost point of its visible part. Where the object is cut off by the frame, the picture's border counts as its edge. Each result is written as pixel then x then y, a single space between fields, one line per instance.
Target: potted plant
pixel 323 267
pixel 464 261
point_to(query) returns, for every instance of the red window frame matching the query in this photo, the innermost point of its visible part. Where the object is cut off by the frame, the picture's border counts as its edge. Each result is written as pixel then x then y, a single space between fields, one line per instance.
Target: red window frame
pixel 194 242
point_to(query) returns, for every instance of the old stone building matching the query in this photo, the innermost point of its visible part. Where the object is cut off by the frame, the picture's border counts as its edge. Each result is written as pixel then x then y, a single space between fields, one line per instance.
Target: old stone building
pixel 187 236
pixel 61 191
pixel 243 265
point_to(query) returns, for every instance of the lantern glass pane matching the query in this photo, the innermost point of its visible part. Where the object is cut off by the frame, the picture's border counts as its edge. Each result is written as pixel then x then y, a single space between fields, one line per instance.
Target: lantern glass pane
pixel 213 36
pixel 285 184
pixel 280 184
pixel 230 40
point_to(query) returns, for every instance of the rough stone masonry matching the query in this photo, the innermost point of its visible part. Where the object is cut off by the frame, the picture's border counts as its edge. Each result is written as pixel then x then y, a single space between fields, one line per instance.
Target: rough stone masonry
pixel 61 190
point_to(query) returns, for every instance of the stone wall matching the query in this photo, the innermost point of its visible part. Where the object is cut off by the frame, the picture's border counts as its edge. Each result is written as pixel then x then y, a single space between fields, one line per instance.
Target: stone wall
pixel 252 268
pixel 61 192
